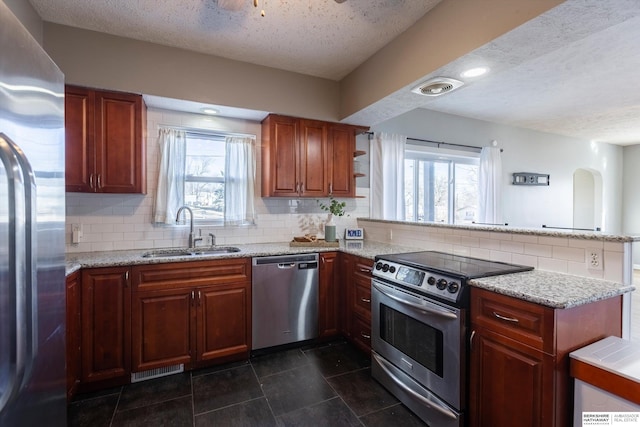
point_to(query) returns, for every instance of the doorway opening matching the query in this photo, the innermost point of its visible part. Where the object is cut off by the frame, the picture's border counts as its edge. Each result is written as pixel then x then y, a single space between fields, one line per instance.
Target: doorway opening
pixel 587 199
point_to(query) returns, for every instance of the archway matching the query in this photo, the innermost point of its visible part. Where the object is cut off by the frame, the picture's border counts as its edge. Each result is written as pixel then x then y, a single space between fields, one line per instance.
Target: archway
pixel 587 199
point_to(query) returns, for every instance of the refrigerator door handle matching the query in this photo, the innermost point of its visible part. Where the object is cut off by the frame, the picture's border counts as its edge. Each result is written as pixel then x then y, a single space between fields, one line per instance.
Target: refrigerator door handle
pixel 17 272
pixel 30 255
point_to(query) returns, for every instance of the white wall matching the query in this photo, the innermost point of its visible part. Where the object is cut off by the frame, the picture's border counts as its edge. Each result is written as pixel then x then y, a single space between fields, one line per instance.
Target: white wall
pixel 631 195
pixel 121 222
pixel 528 151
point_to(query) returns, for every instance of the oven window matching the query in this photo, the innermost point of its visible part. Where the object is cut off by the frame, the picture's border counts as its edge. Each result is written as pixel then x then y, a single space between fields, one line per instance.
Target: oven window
pixel 417 340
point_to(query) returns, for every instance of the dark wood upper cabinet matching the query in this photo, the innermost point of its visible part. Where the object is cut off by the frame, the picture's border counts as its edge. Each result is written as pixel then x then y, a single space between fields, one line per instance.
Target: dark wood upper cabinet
pixel 105 141
pixel 307 158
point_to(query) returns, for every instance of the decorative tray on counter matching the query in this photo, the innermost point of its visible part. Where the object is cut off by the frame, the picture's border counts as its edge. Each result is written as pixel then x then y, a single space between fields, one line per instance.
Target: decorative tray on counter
pixel 311 241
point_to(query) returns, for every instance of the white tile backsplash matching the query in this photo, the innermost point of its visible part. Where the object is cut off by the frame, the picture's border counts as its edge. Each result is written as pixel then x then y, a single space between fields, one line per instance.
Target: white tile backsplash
pixel 558 254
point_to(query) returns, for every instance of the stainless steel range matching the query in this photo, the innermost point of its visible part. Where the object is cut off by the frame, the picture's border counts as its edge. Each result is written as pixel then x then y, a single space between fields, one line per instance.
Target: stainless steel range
pixel 419 306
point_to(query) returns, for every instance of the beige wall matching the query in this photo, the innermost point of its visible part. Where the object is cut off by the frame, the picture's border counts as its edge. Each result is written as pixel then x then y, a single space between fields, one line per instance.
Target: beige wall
pixel 451 29
pixel 99 60
pixel 28 16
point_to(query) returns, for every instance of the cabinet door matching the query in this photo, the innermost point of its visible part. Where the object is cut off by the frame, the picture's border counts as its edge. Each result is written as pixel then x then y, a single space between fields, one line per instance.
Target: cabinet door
pixel 106 324
pixel 79 139
pixel 161 328
pixel 507 383
pixel 342 142
pixel 73 333
pixel 328 320
pixel 224 322
pixel 313 158
pixel 120 160
pixel 280 164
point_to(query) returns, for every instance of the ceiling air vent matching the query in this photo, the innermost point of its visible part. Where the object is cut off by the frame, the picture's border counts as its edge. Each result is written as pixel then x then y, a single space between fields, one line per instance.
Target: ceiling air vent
pixel 437 86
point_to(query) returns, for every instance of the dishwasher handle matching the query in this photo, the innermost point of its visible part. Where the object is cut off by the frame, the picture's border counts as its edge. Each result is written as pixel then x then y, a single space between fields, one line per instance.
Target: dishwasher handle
pixel 287 265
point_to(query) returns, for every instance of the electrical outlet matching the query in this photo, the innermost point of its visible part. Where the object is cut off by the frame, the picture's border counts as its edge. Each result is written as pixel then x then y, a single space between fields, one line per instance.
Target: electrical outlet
pixel 594 259
pixel 76 233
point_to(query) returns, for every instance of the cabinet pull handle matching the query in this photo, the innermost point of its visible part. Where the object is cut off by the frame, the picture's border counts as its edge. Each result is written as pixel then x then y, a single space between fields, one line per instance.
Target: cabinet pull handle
pixel 193 295
pixel 473 334
pixel 331 189
pixel 368 301
pixel 365 270
pixel 507 319
pixel 365 336
pixel 91 181
pixel 126 276
pixel 99 181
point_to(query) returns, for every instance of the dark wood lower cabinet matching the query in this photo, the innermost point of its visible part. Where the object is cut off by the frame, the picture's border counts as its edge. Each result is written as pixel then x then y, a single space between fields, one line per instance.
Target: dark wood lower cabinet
pixel 519 373
pixel 329 296
pixel 106 325
pixel 161 328
pixel 191 313
pixel 73 333
pixel 224 322
pixel 356 273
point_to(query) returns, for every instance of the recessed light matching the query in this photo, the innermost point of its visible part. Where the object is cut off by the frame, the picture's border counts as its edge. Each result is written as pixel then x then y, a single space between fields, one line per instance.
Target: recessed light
pixel 211 111
pixel 474 72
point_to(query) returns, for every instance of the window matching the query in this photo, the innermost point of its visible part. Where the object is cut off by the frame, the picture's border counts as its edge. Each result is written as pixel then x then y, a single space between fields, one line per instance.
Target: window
pixel 440 188
pixel 204 176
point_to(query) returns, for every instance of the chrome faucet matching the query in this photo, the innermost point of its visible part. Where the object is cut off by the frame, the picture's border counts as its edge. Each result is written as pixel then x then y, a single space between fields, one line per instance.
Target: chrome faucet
pixel 192 238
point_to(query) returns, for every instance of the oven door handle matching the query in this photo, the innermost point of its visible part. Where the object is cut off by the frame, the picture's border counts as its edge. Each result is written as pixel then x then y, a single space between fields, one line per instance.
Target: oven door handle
pixel 427 402
pixel 436 311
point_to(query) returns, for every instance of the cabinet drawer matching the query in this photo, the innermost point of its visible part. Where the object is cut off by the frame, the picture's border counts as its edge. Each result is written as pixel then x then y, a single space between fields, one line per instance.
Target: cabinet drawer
pixel 526 322
pixel 362 271
pixel 193 273
pixel 361 332
pixel 362 301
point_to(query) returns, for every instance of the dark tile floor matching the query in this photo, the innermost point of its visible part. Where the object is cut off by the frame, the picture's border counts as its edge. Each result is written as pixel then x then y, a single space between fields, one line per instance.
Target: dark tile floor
pixel 322 385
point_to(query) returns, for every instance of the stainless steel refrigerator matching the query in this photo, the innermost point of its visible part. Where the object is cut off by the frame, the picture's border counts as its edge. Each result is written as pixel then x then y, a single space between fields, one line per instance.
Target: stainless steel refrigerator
pixel 32 215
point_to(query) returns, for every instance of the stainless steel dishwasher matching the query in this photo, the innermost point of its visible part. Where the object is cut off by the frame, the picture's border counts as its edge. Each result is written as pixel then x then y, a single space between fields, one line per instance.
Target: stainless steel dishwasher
pixel 284 299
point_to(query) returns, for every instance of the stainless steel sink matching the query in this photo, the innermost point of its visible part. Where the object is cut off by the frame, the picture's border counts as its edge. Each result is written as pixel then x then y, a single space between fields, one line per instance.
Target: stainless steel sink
pixel 218 250
pixel 172 253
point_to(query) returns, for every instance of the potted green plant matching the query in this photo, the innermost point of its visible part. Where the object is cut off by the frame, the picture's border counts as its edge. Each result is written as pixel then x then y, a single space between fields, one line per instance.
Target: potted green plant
pixel 335 208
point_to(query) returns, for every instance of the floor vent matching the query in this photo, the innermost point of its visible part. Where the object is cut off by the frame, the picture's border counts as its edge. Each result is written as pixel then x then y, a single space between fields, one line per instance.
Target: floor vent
pixel 156 373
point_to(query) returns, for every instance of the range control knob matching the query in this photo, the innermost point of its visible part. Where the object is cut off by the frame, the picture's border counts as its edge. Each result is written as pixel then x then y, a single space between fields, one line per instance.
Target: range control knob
pixel 379 265
pixel 392 269
pixel 453 287
pixel 442 284
pixel 431 280
pixel 385 268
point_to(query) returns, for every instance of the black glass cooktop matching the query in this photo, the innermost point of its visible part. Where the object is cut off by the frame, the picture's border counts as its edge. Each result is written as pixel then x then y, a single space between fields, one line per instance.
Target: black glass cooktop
pixel 462 266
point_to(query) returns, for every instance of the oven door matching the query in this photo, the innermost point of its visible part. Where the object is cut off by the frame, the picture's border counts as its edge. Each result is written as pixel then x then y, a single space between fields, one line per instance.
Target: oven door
pixel 422 338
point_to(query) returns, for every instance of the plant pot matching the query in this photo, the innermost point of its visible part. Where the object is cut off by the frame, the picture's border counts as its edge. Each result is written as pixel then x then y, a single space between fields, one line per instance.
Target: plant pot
pixel 330 229
pixel 329 233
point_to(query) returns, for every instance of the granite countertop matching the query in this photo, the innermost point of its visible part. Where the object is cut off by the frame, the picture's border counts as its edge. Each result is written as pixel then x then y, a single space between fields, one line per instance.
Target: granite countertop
pixel 556 290
pixel 546 232
pixel 366 249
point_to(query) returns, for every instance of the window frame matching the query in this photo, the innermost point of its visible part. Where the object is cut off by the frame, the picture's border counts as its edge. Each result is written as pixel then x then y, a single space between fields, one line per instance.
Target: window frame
pixel 451 158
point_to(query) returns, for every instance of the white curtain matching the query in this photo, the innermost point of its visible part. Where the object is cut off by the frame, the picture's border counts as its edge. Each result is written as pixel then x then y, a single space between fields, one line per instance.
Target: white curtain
pixel 240 175
pixel 170 190
pixel 490 186
pixel 387 176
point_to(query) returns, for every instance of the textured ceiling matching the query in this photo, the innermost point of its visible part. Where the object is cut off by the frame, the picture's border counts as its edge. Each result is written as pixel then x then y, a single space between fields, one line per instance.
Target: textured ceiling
pixel 316 37
pixel 572 71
